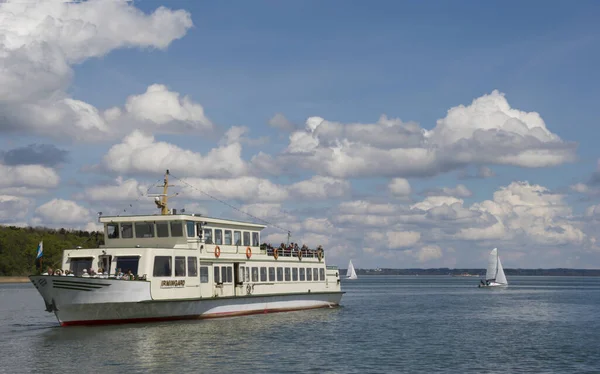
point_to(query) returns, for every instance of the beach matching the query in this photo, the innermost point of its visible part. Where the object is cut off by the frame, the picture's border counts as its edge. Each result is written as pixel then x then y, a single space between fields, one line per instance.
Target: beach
pixel 4 279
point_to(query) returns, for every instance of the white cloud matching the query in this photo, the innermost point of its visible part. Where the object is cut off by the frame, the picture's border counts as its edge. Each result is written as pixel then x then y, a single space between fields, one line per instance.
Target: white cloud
pixel 399 187
pixel 123 190
pixel 59 211
pixel 163 107
pixel 459 191
pixel 28 176
pixel 280 122
pixel 487 131
pixel 427 253
pixel 14 208
pixel 41 42
pixel 140 153
pixel 319 187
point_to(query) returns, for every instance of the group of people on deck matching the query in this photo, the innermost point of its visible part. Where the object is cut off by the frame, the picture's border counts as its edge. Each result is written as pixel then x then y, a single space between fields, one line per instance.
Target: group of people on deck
pixel 91 273
pixel 292 249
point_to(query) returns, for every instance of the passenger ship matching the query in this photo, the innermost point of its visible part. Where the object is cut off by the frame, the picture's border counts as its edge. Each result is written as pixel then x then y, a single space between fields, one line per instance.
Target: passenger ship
pixel 185 267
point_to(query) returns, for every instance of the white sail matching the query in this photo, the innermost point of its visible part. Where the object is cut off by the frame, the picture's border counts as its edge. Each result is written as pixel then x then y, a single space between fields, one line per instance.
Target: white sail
pixel 500 277
pixel 492 265
pixel 351 274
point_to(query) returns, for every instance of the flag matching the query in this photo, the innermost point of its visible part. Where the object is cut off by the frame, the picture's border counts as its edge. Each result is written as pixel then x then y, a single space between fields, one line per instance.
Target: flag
pixel 40 253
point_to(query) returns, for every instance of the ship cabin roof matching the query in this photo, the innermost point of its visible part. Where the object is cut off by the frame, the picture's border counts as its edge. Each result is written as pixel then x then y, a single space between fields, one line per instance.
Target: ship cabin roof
pixel 172 230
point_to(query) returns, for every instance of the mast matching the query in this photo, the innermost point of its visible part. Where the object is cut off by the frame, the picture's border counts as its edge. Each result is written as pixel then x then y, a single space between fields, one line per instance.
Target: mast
pixel 162 201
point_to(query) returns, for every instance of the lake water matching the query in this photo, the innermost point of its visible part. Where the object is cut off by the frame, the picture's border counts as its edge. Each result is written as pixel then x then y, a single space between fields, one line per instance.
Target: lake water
pixel 387 324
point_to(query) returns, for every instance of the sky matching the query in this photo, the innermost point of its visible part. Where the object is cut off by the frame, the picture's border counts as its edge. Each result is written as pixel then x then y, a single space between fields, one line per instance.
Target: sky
pixel 396 134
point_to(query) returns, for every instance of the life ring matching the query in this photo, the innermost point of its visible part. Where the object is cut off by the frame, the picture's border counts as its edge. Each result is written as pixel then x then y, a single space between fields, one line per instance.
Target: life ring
pixel 217 251
pixel 276 253
pixel 248 252
pixel 300 255
pixel 320 254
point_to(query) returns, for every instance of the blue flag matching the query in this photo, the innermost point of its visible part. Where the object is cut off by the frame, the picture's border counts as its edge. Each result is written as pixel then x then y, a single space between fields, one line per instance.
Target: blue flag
pixel 40 250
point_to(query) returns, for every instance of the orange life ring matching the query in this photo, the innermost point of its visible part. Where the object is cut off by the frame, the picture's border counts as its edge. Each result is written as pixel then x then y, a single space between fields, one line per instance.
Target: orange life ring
pixel 248 252
pixel 276 253
pixel 300 255
pixel 217 251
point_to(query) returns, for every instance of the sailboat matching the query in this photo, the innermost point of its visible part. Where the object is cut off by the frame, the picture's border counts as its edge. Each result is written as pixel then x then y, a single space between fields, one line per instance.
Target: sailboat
pixel 351 274
pixel 494 276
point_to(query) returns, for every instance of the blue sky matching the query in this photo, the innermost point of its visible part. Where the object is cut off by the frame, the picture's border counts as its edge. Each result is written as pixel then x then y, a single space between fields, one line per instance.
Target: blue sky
pixel 346 63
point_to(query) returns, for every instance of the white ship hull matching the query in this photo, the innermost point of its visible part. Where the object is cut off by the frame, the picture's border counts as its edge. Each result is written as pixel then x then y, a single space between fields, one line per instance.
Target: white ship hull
pixel 493 285
pixel 90 301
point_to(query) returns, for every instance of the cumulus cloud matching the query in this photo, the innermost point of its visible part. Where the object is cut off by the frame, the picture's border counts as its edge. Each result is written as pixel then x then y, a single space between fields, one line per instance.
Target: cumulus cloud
pixel 28 176
pixel 14 208
pixel 399 187
pixel 488 131
pixel 41 42
pixel 280 122
pixel 459 191
pixel 141 153
pixel 58 212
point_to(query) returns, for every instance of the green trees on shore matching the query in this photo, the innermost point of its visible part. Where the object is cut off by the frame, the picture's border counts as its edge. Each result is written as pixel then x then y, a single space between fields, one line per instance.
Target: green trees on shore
pixel 18 246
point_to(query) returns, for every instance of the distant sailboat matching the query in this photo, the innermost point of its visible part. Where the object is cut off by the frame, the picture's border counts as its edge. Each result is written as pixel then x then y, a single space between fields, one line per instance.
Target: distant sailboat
pixel 351 274
pixel 494 276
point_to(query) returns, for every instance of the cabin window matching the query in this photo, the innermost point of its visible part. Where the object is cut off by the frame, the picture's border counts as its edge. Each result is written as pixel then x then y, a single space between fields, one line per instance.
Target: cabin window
pixel 242 272
pixel 112 230
pixel 229 274
pixel 255 239
pixel 287 274
pixel 271 274
pixel 315 274
pixel 127 263
pixel 208 236
pixel 322 274
pixel 203 274
pixel 192 263
pixel 191 229
pixel 246 238
pixel 217 275
pixel 302 278
pixel 176 229
pixel 294 274
pixel 144 230
pixel 279 274
pixel 163 266
pixel 309 274
pixel 227 237
pixel 254 274
pixel 180 266
pixel 237 238
pixel 162 229
pixel 78 264
pixel 247 274
pixel 218 237
pixel 126 230
pixel 263 274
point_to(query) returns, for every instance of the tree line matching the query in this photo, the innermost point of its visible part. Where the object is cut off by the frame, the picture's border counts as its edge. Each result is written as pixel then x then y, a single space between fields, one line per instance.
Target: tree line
pixel 18 247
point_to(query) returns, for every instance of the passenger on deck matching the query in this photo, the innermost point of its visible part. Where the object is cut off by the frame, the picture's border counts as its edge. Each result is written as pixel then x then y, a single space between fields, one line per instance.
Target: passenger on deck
pixel 85 274
pixel 48 271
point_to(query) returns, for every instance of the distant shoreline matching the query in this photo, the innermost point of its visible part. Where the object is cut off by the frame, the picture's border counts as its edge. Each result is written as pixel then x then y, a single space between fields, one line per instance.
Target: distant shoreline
pixel 14 279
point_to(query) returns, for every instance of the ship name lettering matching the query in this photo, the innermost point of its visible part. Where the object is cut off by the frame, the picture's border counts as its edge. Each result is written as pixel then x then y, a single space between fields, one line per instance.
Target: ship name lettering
pixel 173 283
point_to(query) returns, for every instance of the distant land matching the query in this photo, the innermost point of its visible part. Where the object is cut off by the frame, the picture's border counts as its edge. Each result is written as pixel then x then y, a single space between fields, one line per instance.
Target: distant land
pixel 479 272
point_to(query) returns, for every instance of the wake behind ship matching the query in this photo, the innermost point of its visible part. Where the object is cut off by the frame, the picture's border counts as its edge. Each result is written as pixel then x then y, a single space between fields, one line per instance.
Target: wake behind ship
pixel 178 266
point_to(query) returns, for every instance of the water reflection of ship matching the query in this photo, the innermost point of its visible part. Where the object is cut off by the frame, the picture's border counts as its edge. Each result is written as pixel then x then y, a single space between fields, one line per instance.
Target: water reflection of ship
pixel 209 343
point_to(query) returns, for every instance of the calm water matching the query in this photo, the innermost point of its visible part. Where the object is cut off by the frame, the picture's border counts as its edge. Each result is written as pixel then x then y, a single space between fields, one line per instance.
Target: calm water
pixel 386 325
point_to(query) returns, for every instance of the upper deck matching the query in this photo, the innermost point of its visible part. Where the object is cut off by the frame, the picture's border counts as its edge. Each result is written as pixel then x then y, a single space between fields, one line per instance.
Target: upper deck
pixel 177 231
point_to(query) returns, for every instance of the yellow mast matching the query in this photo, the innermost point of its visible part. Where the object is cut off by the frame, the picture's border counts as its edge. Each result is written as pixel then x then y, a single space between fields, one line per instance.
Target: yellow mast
pixel 162 202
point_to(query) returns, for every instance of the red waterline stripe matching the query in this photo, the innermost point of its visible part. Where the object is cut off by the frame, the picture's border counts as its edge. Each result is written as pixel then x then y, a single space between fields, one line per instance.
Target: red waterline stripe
pixel 179 318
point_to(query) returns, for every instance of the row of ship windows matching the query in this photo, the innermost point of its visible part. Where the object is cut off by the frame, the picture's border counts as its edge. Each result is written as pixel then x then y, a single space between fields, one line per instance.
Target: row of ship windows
pixel 128 230
pixel 224 274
